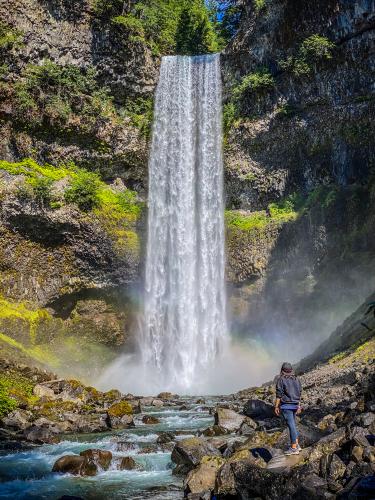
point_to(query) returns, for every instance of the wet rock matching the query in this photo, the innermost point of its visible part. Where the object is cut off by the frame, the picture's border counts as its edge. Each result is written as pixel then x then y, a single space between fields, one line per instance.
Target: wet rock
pixel 43 391
pixel 167 396
pixel 203 477
pixel 121 422
pixel 228 419
pixel 147 401
pixel 190 451
pixel 215 430
pixel 125 446
pixel 91 423
pixel 128 463
pixel 41 435
pixel 17 419
pixel 258 409
pixel 157 402
pixel 200 401
pixel 102 458
pixel 165 437
pixel 150 420
pixel 76 465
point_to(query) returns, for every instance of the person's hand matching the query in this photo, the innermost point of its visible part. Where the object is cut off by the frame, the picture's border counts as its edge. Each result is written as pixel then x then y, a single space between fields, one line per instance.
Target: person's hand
pixel 299 410
pixel 277 410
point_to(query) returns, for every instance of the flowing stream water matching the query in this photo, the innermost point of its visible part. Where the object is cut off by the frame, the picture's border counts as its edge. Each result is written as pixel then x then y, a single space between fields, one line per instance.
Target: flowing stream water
pixel 185 303
pixel 26 474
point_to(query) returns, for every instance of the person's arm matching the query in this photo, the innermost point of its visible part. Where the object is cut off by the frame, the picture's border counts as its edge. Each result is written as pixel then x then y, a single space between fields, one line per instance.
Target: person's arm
pixel 277 406
pixel 299 409
pixel 279 393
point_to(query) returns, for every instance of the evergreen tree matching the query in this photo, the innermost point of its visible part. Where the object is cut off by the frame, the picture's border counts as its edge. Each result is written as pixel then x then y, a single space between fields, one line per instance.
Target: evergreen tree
pixel 195 33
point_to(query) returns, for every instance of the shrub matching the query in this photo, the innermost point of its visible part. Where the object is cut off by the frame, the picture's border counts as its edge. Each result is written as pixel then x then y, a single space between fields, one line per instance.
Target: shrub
pixel 141 112
pixel 257 82
pixel 259 5
pixel 229 116
pixel 41 189
pixel 83 190
pixel 131 23
pixel 9 37
pixel 313 49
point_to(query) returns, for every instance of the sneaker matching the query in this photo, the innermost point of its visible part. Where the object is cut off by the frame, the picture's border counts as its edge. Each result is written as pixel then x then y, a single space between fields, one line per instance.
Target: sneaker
pixel 292 451
pixel 299 448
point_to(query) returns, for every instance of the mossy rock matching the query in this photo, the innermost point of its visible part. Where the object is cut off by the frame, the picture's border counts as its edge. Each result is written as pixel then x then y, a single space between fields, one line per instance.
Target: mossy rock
pixel 120 409
pixel 54 409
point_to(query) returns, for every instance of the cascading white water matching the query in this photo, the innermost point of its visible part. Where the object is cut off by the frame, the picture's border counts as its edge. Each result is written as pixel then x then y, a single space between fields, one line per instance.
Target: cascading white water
pixel 185 304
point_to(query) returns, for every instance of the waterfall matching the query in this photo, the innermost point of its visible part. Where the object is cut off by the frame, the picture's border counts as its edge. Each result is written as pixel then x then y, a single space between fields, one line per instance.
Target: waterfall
pixel 184 326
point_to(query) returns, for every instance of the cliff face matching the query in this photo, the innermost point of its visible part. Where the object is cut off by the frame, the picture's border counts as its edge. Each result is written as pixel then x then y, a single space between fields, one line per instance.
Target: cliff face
pixel 71 34
pixel 300 103
pixel 299 172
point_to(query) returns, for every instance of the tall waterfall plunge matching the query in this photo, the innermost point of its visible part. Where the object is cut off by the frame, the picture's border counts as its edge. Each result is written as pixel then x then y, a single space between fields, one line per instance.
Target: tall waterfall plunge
pixel 184 324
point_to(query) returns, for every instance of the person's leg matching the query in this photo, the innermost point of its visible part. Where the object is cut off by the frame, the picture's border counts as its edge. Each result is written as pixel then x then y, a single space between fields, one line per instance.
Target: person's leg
pixel 289 416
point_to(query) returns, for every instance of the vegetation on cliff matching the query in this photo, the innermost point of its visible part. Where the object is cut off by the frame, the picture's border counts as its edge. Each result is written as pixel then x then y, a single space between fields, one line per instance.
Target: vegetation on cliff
pixel 167 27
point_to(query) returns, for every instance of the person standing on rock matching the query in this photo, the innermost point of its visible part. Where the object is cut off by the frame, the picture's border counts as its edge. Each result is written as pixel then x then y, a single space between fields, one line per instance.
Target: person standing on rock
pixel 288 397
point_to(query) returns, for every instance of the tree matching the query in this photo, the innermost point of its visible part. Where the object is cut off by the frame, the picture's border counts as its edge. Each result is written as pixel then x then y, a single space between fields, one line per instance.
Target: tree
pixel 195 33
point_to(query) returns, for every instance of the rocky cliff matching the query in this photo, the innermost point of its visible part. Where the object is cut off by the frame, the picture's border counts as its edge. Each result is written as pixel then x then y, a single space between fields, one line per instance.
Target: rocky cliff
pixel 299 107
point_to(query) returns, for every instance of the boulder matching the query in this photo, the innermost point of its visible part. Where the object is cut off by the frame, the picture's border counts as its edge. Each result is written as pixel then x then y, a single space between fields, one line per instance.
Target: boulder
pixel 165 437
pixel 190 451
pixel 258 409
pixel 334 469
pixel 308 435
pixel 43 391
pixel 157 402
pixel 357 454
pixel 41 435
pixel 328 444
pixel 247 427
pixel 102 458
pixel 150 420
pixel 120 409
pixel 166 396
pixel 76 465
pixel 215 430
pixel 128 463
pixel 146 401
pixel 203 477
pixel 123 422
pixel 312 486
pixel 228 419
pixel 17 419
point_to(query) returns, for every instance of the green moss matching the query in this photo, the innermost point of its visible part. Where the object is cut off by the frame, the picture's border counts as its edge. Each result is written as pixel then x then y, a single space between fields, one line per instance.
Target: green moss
pixel 53 410
pixel 15 389
pixel 21 311
pixel 120 409
pixel 283 211
pixel 38 353
pixel 254 83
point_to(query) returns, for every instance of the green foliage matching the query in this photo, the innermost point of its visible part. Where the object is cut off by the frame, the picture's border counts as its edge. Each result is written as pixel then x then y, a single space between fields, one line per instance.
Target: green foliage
pixel 229 116
pixel 285 210
pixel 141 113
pixel 41 188
pixel 9 37
pixel 51 94
pixel 195 33
pixel 225 16
pixel 83 190
pixel 259 5
pixel 14 390
pixel 257 82
pixel 166 26
pixel 130 22
pixel 313 50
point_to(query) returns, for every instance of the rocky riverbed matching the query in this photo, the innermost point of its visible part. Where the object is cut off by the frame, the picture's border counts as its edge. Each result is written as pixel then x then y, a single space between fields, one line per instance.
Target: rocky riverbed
pixel 71 439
